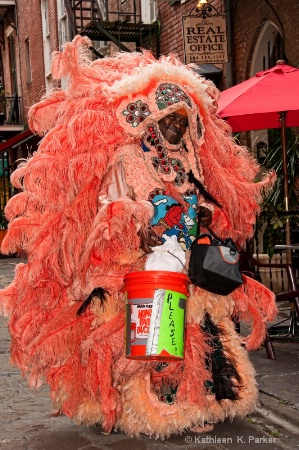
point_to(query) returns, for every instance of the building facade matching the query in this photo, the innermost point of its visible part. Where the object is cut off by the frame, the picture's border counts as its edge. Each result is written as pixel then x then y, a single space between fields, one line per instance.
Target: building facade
pixel 32 30
pixel 259 32
pixel 29 32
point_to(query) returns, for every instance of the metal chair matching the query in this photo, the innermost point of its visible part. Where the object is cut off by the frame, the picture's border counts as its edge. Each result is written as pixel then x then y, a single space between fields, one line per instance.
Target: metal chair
pixel 281 330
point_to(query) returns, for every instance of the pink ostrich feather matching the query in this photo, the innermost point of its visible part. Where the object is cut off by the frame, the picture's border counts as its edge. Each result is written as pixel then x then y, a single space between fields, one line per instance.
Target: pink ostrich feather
pixel 256 305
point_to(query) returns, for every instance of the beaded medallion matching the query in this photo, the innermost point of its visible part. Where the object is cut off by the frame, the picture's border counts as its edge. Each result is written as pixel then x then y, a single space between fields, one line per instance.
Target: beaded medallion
pixel 136 113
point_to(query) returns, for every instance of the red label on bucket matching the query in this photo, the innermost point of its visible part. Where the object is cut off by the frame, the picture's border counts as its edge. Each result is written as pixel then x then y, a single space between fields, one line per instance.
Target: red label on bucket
pixel 141 315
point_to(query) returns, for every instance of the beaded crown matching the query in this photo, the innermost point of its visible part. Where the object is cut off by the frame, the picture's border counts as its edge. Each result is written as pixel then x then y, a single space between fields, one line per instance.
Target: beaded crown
pixel 160 88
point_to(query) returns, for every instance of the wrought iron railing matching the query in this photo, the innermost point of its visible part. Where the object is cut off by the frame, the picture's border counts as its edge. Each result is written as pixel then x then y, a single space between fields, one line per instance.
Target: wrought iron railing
pixel 85 11
pixel 11 110
pixel 5 186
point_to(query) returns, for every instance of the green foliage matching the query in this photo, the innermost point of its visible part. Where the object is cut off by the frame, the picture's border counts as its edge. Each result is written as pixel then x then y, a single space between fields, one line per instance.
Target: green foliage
pixel 275 434
pixel 273 218
pixel 274 161
pixel 272 222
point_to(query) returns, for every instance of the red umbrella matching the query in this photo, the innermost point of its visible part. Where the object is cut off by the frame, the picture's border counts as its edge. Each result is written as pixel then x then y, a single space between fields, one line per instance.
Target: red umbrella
pixel 270 99
pixel 256 103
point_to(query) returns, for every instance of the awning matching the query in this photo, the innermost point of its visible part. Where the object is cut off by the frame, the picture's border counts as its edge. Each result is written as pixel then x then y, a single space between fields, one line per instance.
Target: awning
pixel 18 139
pixel 209 71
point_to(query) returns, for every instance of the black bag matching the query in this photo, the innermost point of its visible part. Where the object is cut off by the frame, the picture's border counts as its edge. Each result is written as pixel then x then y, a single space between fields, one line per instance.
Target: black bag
pixel 214 265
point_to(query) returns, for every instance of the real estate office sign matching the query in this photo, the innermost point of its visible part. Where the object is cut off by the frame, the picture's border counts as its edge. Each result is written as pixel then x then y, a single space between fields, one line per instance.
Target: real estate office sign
pixel 205 37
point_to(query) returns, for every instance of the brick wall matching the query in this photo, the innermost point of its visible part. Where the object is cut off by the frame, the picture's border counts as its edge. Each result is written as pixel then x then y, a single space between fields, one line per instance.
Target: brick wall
pixel 29 27
pixel 130 7
pixel 29 24
pixel 249 19
pixel 171 24
pixel 248 16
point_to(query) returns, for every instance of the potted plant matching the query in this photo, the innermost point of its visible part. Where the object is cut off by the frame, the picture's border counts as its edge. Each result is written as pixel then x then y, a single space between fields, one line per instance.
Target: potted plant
pixel 274 217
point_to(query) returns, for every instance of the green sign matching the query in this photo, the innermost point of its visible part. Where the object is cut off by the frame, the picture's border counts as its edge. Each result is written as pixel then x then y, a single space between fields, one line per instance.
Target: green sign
pixel 172 325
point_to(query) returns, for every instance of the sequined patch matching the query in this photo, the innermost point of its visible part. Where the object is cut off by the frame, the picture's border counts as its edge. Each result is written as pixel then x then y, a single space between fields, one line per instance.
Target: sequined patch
pixel 168 94
pixel 136 113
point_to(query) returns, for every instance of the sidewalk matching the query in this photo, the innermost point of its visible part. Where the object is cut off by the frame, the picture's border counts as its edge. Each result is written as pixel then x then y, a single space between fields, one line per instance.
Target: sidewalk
pixel 28 425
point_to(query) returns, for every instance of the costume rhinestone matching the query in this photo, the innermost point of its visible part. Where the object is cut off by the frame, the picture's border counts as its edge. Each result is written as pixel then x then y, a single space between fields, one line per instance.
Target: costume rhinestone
pixel 167 94
pixel 136 113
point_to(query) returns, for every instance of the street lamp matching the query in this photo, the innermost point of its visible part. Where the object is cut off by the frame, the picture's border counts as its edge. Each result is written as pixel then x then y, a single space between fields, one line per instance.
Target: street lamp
pixel 201 2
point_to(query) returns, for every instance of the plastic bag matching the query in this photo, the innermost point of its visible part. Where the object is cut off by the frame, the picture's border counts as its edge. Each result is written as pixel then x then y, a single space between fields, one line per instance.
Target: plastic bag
pixel 170 256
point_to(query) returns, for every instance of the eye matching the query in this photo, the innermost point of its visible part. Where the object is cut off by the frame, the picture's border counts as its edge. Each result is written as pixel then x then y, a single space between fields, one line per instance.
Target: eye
pixel 184 123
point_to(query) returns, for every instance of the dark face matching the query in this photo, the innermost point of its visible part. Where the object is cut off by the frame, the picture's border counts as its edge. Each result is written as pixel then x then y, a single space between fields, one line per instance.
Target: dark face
pixel 173 127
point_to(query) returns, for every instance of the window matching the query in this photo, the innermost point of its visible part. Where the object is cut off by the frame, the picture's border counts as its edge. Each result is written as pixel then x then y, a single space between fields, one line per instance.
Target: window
pixel 46 43
pixel 268 48
pixel 149 11
pixel 153 10
pixel 103 10
pixel 12 63
pixel 27 61
pixel 63 29
pixel 62 23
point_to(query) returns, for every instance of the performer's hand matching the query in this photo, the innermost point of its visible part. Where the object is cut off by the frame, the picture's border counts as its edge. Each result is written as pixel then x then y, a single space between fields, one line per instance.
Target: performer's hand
pixel 206 215
pixel 148 239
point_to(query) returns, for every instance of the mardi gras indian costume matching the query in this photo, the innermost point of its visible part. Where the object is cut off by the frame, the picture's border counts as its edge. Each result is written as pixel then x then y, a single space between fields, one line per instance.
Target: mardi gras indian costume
pixel 81 234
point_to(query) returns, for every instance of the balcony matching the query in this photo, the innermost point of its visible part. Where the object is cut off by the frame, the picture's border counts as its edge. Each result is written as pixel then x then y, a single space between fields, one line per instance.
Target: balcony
pixel 10 114
pixel 113 21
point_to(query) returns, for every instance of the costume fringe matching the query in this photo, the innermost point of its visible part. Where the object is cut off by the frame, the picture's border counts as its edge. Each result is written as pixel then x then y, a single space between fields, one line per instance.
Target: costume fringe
pixel 224 373
pixel 208 197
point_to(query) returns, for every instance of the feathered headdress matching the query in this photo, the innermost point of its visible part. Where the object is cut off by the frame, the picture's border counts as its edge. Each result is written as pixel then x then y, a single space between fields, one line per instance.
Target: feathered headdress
pixel 73 246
